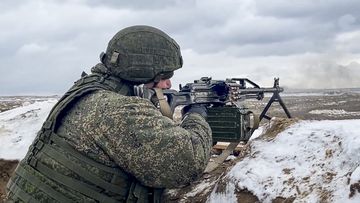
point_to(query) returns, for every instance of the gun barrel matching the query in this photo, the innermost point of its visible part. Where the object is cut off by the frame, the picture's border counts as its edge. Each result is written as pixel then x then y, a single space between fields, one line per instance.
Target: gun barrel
pixel 259 90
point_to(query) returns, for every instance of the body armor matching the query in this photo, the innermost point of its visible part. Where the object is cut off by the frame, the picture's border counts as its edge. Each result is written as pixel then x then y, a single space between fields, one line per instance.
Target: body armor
pixel 86 181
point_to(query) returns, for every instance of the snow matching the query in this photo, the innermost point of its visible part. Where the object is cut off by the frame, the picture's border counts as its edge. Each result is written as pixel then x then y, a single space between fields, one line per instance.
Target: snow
pixel 334 112
pixel 18 127
pixel 355 176
pixel 205 185
pixel 228 196
pixel 311 160
pixel 257 133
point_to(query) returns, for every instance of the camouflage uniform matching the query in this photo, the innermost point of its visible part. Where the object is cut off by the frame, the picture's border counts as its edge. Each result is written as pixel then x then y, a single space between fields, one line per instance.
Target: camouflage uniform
pixel 101 143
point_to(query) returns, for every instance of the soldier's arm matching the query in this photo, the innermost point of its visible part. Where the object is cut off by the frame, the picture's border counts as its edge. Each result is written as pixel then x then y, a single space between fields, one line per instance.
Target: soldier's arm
pixel 150 146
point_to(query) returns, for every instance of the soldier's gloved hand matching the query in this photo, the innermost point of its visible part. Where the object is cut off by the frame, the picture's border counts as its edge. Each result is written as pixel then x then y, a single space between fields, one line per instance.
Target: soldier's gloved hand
pixel 194 108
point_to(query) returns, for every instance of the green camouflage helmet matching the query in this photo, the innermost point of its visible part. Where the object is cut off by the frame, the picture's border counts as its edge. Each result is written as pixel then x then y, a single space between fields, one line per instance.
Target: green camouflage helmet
pixel 141 54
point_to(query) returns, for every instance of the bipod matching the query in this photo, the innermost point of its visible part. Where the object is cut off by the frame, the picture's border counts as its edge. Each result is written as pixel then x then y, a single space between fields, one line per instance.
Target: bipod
pixel 275 98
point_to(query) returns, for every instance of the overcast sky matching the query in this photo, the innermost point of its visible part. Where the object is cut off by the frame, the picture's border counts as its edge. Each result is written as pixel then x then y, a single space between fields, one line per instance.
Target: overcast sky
pixel 46 44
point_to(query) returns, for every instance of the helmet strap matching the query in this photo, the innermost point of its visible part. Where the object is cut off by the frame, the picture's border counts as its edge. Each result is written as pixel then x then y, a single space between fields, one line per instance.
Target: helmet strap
pixel 164 105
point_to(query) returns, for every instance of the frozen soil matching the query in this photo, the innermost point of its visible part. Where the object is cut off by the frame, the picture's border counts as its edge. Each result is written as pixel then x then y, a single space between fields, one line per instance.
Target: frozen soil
pixel 6 169
pixel 339 106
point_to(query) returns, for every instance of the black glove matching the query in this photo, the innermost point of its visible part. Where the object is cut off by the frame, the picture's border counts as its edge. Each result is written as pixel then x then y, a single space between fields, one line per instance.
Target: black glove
pixel 194 108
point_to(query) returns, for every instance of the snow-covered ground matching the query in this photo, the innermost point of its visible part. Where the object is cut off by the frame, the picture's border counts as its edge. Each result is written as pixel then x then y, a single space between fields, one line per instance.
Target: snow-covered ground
pixel 319 92
pixel 312 161
pixel 18 127
pixel 334 112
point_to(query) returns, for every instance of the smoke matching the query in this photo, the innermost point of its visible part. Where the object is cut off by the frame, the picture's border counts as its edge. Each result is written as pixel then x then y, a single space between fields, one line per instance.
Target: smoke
pixel 302 71
pixel 327 75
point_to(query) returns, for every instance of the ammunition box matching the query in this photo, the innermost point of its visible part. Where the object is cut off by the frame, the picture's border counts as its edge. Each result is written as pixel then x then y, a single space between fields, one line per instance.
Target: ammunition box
pixel 229 124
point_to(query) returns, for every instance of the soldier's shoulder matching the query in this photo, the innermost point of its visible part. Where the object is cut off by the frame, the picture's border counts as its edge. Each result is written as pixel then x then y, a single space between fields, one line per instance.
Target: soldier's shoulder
pixel 115 99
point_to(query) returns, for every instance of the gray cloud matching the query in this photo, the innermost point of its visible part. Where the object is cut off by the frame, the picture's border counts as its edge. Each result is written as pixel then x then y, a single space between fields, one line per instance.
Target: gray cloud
pixel 317 10
pixel 45 44
pixel 135 5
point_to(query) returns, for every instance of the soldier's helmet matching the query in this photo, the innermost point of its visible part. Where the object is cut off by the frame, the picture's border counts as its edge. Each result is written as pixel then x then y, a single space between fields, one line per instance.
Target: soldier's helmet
pixel 142 54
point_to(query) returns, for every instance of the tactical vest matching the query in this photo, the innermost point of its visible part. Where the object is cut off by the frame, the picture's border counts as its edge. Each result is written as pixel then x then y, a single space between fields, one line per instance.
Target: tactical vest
pixel 122 188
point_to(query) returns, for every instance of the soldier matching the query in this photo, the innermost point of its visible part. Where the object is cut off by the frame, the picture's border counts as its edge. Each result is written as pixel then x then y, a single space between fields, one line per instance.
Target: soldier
pixel 102 143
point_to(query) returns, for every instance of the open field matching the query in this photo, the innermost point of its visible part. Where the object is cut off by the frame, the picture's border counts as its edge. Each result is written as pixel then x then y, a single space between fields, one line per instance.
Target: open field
pixel 11 102
pixel 314 105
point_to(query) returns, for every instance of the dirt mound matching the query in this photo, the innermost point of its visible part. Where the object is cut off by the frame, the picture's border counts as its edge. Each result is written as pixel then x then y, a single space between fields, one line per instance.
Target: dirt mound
pixel 6 169
pixel 275 126
pixel 199 191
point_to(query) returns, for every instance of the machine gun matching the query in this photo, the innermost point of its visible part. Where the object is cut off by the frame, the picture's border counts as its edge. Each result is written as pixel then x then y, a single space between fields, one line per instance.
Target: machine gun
pixel 229 120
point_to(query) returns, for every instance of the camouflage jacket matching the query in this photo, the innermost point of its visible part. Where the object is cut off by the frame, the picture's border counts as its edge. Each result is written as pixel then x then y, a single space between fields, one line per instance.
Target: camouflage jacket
pixel 131 132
